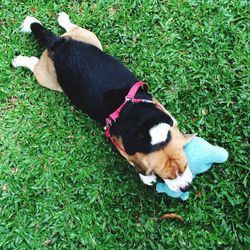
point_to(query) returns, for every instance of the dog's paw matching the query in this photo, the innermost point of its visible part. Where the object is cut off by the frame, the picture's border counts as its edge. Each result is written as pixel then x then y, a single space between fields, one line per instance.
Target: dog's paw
pixel 25 61
pixel 62 18
pixel 64 22
pixel 18 61
pixel 148 180
pixel 25 26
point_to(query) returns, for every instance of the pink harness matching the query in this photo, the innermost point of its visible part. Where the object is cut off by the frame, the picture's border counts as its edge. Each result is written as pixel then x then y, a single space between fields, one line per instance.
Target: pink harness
pixel 129 98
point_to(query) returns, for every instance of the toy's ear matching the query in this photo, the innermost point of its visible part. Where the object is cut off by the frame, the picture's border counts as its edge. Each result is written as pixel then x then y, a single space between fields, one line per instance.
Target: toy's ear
pixel 218 154
pixel 189 137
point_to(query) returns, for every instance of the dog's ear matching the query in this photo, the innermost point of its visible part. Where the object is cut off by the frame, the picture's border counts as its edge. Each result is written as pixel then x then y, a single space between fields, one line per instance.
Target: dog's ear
pixel 174 149
pixel 180 162
pixel 141 163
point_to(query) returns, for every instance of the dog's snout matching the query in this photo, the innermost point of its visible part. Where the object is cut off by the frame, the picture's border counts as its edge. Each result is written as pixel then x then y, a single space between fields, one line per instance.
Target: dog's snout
pixel 186 188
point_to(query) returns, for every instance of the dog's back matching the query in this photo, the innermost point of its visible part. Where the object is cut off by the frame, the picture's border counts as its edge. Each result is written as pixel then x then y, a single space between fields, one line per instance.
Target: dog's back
pixel 93 80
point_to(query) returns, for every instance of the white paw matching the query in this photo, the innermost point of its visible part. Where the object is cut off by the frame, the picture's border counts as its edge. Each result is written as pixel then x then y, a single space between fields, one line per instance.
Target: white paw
pixel 148 180
pixel 64 22
pixel 62 18
pixel 25 26
pixel 25 61
pixel 18 61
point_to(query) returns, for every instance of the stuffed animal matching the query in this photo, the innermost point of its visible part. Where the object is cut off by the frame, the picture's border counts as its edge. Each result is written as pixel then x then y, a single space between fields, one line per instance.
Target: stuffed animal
pixel 201 155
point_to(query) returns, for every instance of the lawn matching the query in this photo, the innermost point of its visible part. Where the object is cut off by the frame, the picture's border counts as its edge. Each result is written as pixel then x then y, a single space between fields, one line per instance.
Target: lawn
pixel 63 186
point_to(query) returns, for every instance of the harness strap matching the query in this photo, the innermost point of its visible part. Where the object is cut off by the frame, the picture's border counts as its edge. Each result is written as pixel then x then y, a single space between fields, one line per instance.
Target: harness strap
pixel 130 97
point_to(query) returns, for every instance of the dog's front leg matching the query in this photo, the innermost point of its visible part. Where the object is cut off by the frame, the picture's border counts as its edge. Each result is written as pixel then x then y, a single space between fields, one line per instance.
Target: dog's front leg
pixel 148 179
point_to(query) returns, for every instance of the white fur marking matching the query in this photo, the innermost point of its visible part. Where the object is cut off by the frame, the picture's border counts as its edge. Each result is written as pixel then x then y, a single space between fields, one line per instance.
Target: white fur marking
pixel 148 180
pixel 25 61
pixel 25 26
pixel 181 181
pixel 131 163
pixel 63 20
pixel 159 133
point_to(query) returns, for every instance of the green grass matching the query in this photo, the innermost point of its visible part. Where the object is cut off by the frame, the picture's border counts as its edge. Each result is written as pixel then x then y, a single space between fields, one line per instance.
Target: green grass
pixel 63 186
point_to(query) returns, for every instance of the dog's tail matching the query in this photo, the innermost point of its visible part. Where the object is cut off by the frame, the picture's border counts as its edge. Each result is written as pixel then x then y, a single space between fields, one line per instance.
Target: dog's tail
pixel 45 37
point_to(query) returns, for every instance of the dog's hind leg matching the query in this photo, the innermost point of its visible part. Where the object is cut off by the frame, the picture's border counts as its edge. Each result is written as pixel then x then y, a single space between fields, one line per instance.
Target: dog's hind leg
pixel 25 61
pixel 76 32
pixel 42 68
pixel 45 73
pixel 64 22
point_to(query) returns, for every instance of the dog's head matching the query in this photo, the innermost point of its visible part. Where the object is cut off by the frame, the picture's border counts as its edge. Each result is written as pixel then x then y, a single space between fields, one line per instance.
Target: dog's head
pixel 157 148
pixel 169 162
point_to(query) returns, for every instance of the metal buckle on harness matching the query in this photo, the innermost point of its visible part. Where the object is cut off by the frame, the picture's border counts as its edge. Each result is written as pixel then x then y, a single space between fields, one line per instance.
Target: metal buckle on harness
pixel 108 123
pixel 127 99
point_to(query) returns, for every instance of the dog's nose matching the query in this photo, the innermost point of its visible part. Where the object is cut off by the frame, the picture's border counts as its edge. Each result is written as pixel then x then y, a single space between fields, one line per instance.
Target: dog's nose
pixel 186 188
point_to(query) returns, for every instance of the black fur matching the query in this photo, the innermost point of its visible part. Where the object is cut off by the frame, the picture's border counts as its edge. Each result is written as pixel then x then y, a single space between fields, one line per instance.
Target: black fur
pixel 134 124
pixel 97 84
pixel 45 37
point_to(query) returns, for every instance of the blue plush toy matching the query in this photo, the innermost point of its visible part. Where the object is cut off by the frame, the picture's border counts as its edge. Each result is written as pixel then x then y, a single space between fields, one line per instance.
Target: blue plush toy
pixel 201 155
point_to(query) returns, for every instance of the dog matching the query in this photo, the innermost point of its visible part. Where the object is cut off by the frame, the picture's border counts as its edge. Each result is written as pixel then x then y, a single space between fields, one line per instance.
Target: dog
pixel 142 130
